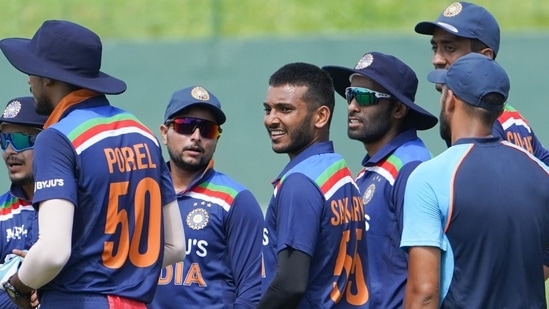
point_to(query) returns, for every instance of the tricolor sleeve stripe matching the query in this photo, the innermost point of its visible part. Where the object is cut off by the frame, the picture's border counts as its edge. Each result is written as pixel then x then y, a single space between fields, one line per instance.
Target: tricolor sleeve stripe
pixel 95 130
pixel 388 168
pixel 218 194
pixel 13 206
pixel 333 178
pixel 510 117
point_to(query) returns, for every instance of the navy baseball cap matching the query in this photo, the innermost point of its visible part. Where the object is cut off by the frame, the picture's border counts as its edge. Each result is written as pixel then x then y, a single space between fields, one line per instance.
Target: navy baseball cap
pixel 192 96
pixel 472 77
pixel 390 73
pixel 21 111
pixel 465 20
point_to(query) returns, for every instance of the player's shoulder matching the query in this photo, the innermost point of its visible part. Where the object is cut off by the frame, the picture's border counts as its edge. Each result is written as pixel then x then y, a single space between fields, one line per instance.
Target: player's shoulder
pixel 510 113
pixel 412 151
pixel 446 161
pixel 223 180
pixel 6 197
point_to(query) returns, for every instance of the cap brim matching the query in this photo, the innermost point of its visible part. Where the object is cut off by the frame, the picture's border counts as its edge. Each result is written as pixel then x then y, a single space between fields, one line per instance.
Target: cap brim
pixel 218 113
pixel 425 27
pixel 17 52
pixel 340 77
pixel 437 76
pixel 39 125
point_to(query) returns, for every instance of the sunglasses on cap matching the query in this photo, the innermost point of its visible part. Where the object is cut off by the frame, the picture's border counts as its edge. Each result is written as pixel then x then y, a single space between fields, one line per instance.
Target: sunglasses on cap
pixel 187 126
pixel 364 96
pixel 18 141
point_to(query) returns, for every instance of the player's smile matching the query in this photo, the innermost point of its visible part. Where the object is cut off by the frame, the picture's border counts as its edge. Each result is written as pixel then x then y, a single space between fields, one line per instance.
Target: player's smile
pixel 276 134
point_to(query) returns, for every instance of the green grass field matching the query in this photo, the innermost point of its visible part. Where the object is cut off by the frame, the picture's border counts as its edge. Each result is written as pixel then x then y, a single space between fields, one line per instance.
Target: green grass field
pixel 176 19
pixel 172 20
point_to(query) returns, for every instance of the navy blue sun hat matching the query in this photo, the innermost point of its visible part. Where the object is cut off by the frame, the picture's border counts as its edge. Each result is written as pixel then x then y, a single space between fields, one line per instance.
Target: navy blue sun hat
pixel 193 96
pixel 21 111
pixel 393 75
pixel 465 20
pixel 472 77
pixel 64 51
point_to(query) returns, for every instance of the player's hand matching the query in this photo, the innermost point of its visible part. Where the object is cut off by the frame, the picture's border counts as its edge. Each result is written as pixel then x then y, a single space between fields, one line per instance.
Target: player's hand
pixel 24 302
pixel 34 299
pixel 21 253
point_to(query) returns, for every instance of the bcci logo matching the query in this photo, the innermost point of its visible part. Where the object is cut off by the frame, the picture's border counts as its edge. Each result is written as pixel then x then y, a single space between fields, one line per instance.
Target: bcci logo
pixel 364 62
pixel 198 219
pixel 200 93
pixel 453 10
pixel 367 197
pixel 12 110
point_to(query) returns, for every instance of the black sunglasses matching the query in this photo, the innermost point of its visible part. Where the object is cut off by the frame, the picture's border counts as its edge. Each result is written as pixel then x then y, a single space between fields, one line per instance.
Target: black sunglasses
pixel 187 126
pixel 364 96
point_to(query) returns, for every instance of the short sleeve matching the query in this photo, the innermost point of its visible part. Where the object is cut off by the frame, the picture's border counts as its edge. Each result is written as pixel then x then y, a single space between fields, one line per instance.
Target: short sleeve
pixel 300 205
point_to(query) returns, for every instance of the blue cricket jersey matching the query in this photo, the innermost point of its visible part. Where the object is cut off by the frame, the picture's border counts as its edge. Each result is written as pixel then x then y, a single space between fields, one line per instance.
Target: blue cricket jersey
pixel 223 223
pixel 18 229
pixel 514 128
pixel 316 208
pixel 110 166
pixel 485 204
pixel 382 185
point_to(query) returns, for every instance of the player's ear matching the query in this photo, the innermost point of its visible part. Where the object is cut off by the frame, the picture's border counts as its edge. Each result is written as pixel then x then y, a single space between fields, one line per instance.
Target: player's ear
pixel 450 100
pixel 488 52
pixel 164 133
pixel 322 116
pixel 400 110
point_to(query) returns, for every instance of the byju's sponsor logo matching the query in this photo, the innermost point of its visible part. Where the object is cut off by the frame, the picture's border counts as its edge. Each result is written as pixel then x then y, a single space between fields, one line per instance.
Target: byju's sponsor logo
pixel 44 184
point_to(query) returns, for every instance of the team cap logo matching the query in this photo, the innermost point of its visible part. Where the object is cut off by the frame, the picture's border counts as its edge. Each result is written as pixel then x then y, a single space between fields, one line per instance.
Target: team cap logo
pixel 364 62
pixel 453 10
pixel 12 110
pixel 198 219
pixel 200 93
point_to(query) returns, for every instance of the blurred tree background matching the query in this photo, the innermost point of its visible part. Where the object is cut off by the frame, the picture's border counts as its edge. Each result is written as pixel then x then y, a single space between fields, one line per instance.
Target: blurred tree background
pixel 176 19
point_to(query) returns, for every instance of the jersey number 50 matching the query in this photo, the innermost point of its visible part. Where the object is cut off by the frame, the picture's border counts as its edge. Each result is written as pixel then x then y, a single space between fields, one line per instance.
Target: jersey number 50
pixel 118 219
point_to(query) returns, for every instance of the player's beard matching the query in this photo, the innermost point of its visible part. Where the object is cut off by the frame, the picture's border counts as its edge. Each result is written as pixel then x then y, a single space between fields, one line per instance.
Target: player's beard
pixel 300 138
pixel 444 124
pixel 372 131
pixel 26 179
pixel 189 165
pixel 43 105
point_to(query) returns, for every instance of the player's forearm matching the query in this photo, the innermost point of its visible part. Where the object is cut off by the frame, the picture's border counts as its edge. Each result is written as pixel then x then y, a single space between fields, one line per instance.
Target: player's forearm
pixel 51 252
pixel 174 235
pixel 290 282
pixel 280 295
pixel 419 301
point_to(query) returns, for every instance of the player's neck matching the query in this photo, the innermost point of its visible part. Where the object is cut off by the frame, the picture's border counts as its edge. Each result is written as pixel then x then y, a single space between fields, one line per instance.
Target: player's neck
pixel 28 189
pixel 465 126
pixel 182 178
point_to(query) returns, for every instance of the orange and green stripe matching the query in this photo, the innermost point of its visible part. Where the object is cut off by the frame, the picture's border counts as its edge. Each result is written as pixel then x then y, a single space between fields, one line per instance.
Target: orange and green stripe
pixel 214 193
pixel 96 129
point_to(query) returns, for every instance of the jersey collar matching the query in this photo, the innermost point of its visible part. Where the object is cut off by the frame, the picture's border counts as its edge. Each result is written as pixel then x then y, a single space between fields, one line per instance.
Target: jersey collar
pixel 314 149
pixel 390 147
pixel 66 103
